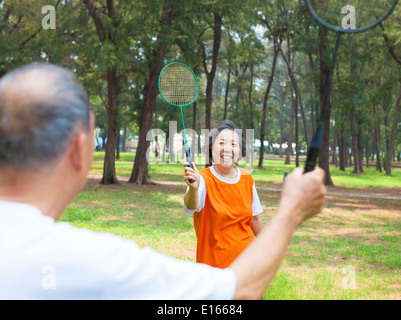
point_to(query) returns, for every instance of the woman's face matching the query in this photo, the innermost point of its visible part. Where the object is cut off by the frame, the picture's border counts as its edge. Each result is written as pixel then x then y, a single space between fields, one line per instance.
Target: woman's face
pixel 226 148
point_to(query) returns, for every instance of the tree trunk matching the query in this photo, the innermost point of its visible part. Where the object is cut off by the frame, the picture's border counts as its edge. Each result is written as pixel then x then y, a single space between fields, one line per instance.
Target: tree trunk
pixel 139 173
pixel 334 149
pixel 355 149
pixel 390 151
pixel 211 74
pixel 226 93
pixel 289 145
pixel 354 129
pixel 341 149
pixel 109 169
pixel 118 143
pixel 313 115
pixel 251 126
pixel 265 100
pixel 360 148
pixel 387 126
pixel 282 102
pixel 125 137
pixel 209 94
pixel 377 142
pixel 324 75
pixel 294 81
pixel 324 161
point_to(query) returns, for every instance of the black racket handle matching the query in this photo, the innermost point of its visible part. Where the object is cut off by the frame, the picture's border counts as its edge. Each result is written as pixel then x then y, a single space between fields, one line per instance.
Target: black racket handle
pixel 311 160
pixel 188 153
pixel 285 176
pixel 314 150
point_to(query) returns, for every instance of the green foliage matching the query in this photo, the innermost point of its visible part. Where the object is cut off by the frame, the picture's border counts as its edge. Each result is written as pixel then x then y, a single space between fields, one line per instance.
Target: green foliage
pixel 127 41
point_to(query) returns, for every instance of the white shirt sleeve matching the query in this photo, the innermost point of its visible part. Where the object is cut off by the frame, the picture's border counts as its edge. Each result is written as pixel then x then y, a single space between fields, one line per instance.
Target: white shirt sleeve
pixel 202 197
pixel 256 205
pixel 42 259
pixel 160 277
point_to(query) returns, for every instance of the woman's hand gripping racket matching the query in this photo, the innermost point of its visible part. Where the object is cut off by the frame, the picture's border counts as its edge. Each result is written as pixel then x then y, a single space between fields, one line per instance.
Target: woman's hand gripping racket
pixel 179 87
pixel 191 175
pixel 342 16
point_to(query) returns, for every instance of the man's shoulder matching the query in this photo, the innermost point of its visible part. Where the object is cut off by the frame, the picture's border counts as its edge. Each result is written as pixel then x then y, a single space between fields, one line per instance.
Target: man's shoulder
pixel 81 237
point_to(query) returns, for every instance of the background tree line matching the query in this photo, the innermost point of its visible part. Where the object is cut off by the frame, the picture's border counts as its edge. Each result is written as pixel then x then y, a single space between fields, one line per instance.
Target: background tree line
pixel 261 64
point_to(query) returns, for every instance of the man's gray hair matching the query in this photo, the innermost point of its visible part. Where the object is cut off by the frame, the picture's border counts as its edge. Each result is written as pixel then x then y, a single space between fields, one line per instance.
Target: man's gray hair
pixel 36 133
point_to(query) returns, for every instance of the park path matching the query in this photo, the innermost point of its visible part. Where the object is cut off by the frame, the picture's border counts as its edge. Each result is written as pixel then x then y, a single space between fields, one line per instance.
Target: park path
pixel 347 194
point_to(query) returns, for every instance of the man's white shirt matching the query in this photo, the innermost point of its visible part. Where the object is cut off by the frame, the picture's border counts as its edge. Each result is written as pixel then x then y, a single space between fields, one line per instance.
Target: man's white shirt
pixel 44 259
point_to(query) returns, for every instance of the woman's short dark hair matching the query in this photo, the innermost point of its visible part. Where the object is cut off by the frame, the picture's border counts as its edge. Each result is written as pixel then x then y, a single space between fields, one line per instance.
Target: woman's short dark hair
pixel 226 124
pixel 39 132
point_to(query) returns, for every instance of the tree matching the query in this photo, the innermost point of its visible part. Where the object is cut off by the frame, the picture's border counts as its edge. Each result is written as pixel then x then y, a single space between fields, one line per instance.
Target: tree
pixel 155 55
pixel 107 22
pixel 210 73
pixel 324 161
pixel 265 100
pixel 391 147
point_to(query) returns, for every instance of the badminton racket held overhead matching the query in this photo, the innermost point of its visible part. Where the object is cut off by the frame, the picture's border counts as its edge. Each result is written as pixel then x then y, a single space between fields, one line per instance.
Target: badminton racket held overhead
pixel 179 87
pixel 360 16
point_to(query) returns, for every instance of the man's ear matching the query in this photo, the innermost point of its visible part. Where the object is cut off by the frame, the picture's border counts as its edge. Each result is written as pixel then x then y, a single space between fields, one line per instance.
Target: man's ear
pixel 77 151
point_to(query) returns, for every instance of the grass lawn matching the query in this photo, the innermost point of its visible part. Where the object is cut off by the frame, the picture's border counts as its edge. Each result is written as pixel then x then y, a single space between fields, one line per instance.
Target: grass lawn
pixel 351 251
pixel 270 175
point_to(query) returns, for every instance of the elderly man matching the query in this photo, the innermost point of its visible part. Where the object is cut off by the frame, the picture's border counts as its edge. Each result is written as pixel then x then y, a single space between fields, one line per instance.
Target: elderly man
pixel 46 150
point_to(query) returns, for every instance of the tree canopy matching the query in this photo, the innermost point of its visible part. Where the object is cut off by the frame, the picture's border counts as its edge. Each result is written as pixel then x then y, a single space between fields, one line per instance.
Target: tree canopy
pixel 261 64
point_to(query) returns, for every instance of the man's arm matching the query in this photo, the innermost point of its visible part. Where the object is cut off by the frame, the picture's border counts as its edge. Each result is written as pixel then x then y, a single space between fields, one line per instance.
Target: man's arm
pixel 257 224
pixel 302 198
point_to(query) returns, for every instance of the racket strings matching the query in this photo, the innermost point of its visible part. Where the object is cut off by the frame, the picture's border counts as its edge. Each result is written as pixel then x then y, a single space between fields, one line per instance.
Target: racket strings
pixel 178 85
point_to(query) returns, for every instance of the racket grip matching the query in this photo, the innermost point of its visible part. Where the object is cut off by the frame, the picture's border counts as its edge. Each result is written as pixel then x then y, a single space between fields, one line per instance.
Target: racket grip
pixel 188 154
pixel 311 160
pixel 314 151
pixel 285 176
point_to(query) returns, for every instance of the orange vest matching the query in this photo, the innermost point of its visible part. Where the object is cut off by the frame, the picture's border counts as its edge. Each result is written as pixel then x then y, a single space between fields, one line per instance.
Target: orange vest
pixel 223 226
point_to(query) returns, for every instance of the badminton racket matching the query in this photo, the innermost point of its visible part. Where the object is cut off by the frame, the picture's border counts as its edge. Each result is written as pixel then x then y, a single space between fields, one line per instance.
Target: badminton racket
pixel 179 87
pixel 342 17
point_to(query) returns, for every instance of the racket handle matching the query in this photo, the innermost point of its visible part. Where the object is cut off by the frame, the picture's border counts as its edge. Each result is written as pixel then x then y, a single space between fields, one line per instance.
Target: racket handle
pixel 311 160
pixel 188 153
pixel 314 150
pixel 285 176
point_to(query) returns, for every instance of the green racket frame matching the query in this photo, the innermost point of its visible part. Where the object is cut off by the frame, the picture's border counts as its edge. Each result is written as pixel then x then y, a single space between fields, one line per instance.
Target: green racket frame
pixel 197 85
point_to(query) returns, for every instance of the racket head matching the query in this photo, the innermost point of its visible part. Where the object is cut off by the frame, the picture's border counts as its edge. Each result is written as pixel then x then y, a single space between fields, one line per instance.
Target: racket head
pixel 350 16
pixel 178 84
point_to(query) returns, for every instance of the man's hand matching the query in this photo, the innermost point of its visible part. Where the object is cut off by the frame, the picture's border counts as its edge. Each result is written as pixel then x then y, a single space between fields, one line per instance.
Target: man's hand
pixel 302 198
pixel 303 194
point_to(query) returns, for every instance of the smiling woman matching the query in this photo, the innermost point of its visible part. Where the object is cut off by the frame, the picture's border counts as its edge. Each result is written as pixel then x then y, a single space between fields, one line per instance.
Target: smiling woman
pixel 223 201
